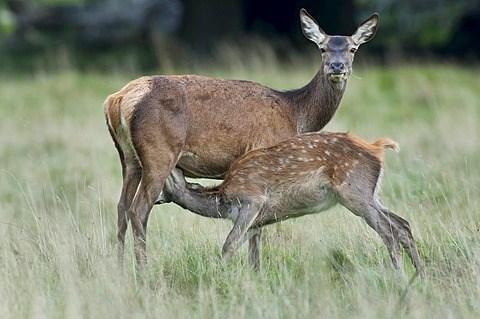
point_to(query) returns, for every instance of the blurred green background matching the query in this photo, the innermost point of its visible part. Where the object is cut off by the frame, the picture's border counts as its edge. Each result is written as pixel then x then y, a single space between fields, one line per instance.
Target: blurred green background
pixel 152 34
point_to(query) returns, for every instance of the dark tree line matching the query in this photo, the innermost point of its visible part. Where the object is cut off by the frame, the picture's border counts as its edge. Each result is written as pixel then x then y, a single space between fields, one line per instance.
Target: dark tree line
pixel 440 28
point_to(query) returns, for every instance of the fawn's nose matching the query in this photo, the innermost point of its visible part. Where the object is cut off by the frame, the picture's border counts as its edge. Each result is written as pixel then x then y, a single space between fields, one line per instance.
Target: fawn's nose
pixel 337 67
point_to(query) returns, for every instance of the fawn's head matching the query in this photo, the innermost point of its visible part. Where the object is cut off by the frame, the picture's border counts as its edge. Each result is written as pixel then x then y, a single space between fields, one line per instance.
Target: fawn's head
pixel 337 51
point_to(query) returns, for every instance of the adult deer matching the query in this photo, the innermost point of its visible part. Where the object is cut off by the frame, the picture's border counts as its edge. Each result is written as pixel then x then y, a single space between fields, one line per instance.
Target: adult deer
pixel 202 125
pixel 303 175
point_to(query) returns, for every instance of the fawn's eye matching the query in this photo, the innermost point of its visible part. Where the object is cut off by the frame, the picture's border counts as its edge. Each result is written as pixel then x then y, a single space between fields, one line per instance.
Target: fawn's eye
pixel 323 50
pixel 353 50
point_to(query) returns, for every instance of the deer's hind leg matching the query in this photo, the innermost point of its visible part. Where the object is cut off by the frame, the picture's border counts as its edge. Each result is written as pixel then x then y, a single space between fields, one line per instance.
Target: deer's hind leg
pixel 247 212
pixel 384 227
pixel 404 236
pixel 255 236
pixel 158 134
pixel 131 174
pixel 392 229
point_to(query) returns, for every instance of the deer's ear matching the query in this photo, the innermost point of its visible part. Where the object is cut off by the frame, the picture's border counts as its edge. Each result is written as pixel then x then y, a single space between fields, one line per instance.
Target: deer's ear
pixel 366 31
pixel 310 28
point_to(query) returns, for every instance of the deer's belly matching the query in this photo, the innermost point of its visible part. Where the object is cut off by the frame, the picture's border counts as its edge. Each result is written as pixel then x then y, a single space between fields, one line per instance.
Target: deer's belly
pixel 297 203
pixel 204 165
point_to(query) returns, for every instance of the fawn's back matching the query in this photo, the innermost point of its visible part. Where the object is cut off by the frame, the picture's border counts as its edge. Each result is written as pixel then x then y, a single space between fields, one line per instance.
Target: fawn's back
pixel 305 174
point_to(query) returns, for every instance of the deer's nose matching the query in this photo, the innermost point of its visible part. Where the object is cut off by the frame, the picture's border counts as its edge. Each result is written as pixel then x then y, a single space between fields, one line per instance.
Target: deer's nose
pixel 337 67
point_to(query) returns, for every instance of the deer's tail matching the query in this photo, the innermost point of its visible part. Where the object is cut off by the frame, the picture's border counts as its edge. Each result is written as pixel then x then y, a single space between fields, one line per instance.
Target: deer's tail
pixel 387 143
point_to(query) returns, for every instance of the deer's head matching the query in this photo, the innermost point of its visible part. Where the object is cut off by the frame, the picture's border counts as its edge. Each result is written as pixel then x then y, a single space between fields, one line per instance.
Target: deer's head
pixel 337 51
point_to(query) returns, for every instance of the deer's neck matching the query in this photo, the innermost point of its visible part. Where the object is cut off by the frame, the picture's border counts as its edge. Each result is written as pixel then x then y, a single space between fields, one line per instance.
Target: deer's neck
pixel 314 105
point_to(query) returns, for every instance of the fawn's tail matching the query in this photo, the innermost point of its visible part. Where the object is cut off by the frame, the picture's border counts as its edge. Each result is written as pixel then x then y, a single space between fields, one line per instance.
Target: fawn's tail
pixel 387 143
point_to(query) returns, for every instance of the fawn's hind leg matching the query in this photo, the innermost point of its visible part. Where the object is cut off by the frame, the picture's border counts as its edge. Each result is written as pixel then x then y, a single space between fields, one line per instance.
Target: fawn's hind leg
pixel 254 247
pixel 379 222
pixel 387 229
pixel 247 213
pixel 405 237
pixel 393 229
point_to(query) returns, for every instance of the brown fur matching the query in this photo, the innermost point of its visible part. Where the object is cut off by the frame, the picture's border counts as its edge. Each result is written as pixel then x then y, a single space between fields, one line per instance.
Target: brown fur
pixel 202 125
pixel 338 154
pixel 123 102
pixel 303 175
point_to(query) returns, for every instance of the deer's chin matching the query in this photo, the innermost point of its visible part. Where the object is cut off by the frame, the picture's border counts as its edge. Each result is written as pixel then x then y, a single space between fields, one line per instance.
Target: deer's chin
pixel 337 77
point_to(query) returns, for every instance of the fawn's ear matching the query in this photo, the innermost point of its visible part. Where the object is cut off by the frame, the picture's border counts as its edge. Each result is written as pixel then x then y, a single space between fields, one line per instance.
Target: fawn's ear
pixel 366 31
pixel 310 28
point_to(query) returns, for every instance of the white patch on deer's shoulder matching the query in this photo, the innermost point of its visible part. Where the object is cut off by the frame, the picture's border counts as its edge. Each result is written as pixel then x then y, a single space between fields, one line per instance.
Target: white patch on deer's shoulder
pixel 124 138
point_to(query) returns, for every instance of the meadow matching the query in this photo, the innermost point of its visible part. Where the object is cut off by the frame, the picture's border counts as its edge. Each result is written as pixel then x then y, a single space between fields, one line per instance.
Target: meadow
pixel 60 180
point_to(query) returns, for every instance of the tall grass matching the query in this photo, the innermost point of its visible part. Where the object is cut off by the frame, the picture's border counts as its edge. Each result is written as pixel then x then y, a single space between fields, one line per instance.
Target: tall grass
pixel 60 179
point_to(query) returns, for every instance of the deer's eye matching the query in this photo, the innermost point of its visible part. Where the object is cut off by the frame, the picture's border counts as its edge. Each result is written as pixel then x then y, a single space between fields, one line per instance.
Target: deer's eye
pixel 323 50
pixel 353 50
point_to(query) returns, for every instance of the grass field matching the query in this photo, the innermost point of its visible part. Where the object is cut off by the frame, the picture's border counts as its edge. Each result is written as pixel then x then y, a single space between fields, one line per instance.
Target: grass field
pixel 60 180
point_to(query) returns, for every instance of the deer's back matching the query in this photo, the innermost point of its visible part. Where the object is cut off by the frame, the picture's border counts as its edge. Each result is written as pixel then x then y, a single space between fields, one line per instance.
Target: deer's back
pixel 301 175
pixel 223 119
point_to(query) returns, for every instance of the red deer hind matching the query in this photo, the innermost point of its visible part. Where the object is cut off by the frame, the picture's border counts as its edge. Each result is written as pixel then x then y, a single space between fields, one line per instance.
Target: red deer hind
pixel 304 175
pixel 202 125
